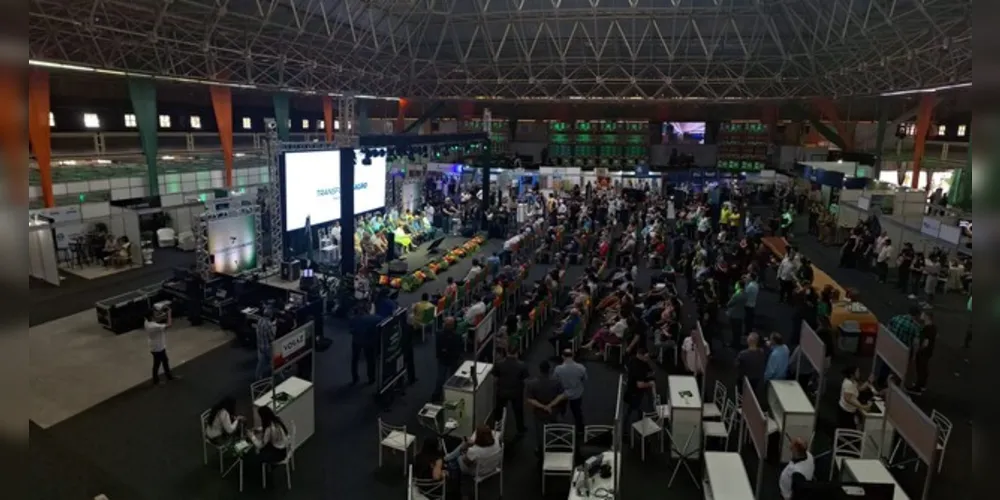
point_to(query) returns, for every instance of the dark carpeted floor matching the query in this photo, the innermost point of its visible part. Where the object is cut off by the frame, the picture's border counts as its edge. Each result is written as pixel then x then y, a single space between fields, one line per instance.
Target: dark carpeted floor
pixel 144 444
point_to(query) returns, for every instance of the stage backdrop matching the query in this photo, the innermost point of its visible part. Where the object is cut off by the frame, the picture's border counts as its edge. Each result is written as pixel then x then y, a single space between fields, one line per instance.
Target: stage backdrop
pixel 231 244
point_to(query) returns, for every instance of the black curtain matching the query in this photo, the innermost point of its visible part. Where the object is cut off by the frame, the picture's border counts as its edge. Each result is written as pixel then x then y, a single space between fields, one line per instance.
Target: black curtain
pixel 347 163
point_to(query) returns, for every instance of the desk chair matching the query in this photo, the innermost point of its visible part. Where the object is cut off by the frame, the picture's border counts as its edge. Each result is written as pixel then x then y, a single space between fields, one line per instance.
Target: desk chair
pixel 220 449
pixel 488 468
pixel 721 429
pixel 395 438
pixel 288 463
pixel 648 426
pixel 427 489
pixel 559 441
pixel 713 410
pixel 847 444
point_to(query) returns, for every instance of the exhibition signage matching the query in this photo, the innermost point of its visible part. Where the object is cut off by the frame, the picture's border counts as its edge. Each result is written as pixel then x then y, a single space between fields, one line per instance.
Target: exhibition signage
pixel 288 346
pixel 391 364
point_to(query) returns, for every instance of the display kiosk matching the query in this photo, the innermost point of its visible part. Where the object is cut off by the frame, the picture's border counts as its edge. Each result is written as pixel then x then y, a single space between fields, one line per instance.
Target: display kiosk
pixel 726 477
pixel 685 416
pixel 793 412
pixel 293 398
pixel 468 395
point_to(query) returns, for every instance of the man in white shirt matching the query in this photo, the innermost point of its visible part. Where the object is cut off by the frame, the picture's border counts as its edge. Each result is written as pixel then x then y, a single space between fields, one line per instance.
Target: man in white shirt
pixel 786 278
pixel 882 260
pixel 801 469
pixel 474 272
pixel 474 311
pixel 158 344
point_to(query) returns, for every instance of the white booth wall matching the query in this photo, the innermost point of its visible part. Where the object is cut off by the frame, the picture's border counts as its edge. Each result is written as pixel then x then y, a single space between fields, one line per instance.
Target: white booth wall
pixel 125 222
pixel 43 263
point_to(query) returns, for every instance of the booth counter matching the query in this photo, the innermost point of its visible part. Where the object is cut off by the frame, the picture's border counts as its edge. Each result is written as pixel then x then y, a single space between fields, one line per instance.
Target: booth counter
pixel 293 401
pixel 685 416
pixel 726 477
pixel 793 412
pixel 472 397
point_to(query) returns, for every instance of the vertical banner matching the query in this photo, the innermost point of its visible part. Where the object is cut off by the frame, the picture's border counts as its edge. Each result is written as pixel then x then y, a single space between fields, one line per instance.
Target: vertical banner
pixel 222 103
pixel 347 257
pixel 143 95
pixel 328 122
pixel 281 116
pixel 401 116
pixel 39 132
pixel 924 111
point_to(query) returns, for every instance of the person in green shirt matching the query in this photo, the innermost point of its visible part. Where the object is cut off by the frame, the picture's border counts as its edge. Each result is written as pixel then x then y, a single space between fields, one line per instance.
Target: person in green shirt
pixel 419 309
pixel 786 223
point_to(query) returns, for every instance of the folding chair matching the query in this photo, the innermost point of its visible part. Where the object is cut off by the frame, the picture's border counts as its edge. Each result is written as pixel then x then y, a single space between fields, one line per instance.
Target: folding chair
pixel 288 462
pixel 488 468
pixel 720 429
pixel 713 410
pixel 944 434
pixel 395 438
pixel 847 444
pixel 428 489
pixel 648 426
pixel 559 441
pixel 500 424
pixel 260 388
pixel 206 442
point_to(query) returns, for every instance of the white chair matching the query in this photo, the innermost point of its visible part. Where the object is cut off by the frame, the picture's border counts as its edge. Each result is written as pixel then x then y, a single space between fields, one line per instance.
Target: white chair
pixel 499 425
pixel 487 468
pixel 662 409
pixel 648 426
pixel 847 444
pixel 288 463
pixel 592 432
pixel 166 237
pixel 559 441
pixel 427 489
pixel 395 438
pixel 186 241
pixel 609 346
pixel 206 442
pixel 721 429
pixel 260 388
pixel 944 434
pixel 713 410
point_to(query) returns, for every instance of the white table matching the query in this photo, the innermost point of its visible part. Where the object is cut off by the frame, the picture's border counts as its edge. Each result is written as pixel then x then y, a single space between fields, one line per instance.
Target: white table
pixel 793 412
pixel 596 482
pixel 726 477
pixel 300 408
pixel 877 438
pixel 871 472
pixel 475 401
pixel 685 416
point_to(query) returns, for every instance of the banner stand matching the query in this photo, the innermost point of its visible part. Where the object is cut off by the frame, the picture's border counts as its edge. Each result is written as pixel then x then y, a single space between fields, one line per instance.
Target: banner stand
pixel 293 398
pixel 391 366
pixel 618 438
pixel 756 423
pixel 814 351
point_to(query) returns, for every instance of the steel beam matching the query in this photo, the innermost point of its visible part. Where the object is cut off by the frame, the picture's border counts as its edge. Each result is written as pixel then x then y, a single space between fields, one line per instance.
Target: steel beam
pixel 433 112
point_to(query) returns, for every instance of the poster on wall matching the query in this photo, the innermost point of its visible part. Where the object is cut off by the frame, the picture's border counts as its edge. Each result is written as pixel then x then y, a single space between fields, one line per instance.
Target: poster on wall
pixel 232 244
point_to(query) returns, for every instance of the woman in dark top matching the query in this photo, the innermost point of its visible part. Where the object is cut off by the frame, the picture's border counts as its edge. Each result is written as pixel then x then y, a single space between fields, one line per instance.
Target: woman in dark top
pixel 917 273
pixel 428 465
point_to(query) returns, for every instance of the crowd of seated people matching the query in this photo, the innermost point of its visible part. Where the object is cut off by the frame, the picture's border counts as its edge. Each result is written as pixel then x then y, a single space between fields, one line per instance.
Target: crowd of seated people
pixel 408 229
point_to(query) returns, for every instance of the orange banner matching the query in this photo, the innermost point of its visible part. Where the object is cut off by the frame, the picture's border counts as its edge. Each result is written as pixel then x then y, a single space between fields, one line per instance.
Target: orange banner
pixel 222 103
pixel 924 112
pixel 328 117
pixel 38 130
pixel 401 116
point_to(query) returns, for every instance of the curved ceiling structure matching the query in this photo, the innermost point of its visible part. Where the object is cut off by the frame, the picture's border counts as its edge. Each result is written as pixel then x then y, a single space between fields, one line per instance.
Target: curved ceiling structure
pixel 618 50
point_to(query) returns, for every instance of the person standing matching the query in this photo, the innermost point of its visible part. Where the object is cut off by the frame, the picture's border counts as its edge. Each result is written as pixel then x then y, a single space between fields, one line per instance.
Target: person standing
pixel 752 290
pixel 786 278
pixel 736 311
pixel 777 359
pixel 364 341
pixel 157 333
pixel 850 399
pixel 543 395
pixel 448 347
pixel 751 362
pixel 923 351
pixel 906 328
pixel 882 260
pixel 903 264
pixel 640 381
pixel 510 375
pixel 266 332
pixel 573 377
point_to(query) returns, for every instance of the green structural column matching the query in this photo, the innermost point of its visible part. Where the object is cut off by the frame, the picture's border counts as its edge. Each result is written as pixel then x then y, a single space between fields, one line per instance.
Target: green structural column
pixel 143 95
pixel 281 116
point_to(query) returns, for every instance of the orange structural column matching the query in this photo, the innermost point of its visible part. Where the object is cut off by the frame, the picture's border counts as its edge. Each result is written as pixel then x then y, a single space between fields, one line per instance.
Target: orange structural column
pixel 328 117
pixel 38 130
pixel 222 103
pixel 401 116
pixel 924 112
pixel 828 111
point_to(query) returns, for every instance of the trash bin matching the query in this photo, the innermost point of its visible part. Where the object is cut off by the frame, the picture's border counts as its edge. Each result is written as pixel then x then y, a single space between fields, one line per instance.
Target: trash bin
pixel 849 340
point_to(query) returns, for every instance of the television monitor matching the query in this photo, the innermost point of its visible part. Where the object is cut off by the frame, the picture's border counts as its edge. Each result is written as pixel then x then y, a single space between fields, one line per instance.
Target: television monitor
pixel 684 132
pixel 312 186
pixel 231 244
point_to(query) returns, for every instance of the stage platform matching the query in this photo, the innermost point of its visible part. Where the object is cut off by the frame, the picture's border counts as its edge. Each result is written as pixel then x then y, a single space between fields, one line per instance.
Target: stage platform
pixel 419 258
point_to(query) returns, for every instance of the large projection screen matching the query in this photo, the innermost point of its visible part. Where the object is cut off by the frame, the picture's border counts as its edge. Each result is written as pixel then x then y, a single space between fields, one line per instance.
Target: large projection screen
pixel 231 244
pixel 312 186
